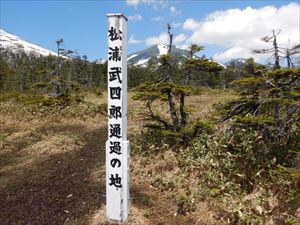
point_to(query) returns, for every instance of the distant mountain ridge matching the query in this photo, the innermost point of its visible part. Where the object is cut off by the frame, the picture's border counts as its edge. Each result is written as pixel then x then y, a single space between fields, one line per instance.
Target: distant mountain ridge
pixel 16 44
pixel 238 62
pixel 141 58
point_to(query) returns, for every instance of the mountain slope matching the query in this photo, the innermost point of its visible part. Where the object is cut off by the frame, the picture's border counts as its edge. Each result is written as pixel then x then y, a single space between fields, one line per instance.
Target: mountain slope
pixel 141 58
pixel 16 44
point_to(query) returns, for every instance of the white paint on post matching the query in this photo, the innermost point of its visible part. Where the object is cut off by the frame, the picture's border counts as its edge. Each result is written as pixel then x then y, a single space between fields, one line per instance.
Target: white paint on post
pixel 117 145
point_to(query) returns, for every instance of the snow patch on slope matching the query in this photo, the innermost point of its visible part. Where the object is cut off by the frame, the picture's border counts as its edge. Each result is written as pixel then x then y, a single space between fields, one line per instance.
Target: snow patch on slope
pixel 130 57
pixel 163 49
pixel 142 62
pixel 220 64
pixel 17 44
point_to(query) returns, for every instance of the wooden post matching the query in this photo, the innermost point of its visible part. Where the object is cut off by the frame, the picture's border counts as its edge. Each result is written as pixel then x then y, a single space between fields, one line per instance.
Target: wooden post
pixel 117 145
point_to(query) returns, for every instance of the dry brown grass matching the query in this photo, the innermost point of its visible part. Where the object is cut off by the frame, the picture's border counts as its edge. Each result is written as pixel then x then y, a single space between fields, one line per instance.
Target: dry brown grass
pixel 202 105
pixel 46 171
pixel 52 171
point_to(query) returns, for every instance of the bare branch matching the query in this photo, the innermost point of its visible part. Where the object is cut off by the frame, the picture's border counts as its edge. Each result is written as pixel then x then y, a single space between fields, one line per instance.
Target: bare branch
pixel 267 38
pixel 261 51
pixel 296 47
pixel 270 83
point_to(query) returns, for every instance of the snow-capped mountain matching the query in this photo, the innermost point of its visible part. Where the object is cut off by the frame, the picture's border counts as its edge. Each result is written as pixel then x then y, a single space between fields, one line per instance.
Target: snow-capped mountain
pixel 237 63
pixel 100 61
pixel 141 58
pixel 220 64
pixel 16 44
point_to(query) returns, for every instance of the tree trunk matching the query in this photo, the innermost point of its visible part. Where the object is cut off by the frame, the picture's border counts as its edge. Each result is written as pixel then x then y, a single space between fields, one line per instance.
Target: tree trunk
pixel 183 114
pixel 276 52
pixel 171 38
pixel 289 61
pixel 173 111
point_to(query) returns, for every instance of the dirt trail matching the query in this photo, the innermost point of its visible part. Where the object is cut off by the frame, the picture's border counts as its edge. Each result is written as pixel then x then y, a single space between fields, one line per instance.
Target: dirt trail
pixel 51 173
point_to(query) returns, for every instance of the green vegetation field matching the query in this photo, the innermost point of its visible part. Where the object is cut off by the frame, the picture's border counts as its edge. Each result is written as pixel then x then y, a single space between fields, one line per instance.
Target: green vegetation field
pixel 52 158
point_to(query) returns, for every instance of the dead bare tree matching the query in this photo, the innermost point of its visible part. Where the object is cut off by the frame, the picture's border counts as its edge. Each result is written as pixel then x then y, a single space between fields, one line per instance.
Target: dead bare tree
pixel 274 50
pixel 60 87
pixel 170 37
pixel 289 53
pixel 277 51
pixel 59 42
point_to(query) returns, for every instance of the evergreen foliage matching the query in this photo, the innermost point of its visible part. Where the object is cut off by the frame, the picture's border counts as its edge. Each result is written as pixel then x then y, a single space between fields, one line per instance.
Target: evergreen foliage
pixel 176 84
pixel 20 72
pixel 269 107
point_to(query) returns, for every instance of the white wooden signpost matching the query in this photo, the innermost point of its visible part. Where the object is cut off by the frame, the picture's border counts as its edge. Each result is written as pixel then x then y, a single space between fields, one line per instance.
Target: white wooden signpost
pixel 117 145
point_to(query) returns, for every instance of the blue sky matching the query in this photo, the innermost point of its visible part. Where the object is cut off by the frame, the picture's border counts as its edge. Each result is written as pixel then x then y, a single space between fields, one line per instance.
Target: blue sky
pixel 227 29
